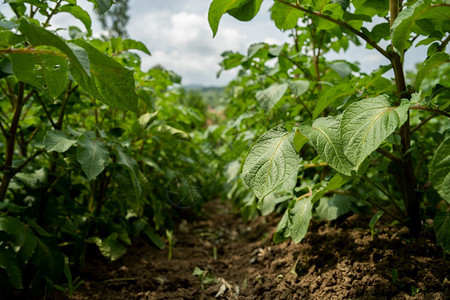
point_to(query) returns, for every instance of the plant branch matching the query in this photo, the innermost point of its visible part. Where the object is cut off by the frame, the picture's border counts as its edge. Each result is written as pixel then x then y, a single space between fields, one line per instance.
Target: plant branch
pixel 22 165
pixel 54 11
pixel 391 156
pixel 436 111
pixel 340 23
pixel 444 44
pixel 30 50
pixel 306 107
pixel 45 110
pixel 424 121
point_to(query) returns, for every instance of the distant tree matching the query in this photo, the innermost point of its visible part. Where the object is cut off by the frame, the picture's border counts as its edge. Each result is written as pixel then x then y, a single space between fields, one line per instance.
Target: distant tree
pixel 115 20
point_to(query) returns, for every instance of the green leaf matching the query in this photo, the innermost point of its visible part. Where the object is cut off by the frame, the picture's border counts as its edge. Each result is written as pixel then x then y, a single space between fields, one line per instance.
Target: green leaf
pixel 440 169
pixel 136 45
pixel 246 11
pixel 374 220
pixel 330 95
pixel 48 258
pixel 243 10
pixel 46 72
pixel 324 135
pixel 109 82
pixel 92 154
pixel 133 168
pixel 407 18
pixel 271 161
pixel 442 230
pixel 102 5
pixel 154 237
pixel 78 13
pixel 424 69
pixel 367 123
pixel 299 140
pixel 10 225
pixel 59 141
pixel 295 221
pixel 285 16
pixel 335 183
pixel 8 262
pixel 165 129
pixel 110 247
pixel 39 36
pixel 299 87
pixel 269 97
pixel 334 207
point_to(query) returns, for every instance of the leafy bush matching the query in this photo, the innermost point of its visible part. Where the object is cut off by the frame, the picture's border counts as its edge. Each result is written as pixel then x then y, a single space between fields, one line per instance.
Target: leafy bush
pixel 337 139
pixel 96 150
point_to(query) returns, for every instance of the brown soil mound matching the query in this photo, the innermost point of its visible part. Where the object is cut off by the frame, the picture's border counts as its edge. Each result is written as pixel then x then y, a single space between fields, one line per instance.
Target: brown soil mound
pixel 336 260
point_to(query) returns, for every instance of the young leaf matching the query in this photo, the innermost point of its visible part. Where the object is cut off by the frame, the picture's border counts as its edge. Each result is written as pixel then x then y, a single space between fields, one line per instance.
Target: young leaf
pixel 246 11
pixel 324 135
pixel 367 123
pixel 48 73
pixel 110 247
pixel 59 141
pixel 136 45
pixel 92 154
pixel 271 161
pixel 270 96
pixel 442 230
pixel 424 69
pixel 110 82
pixel 373 222
pixel 440 169
pixel 334 207
pixel 39 36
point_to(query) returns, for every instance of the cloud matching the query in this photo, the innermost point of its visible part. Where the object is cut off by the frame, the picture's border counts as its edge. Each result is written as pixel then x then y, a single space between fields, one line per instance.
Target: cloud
pixel 183 42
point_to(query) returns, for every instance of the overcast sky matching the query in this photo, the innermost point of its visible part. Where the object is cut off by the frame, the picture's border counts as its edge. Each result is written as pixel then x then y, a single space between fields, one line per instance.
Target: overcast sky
pixel 178 36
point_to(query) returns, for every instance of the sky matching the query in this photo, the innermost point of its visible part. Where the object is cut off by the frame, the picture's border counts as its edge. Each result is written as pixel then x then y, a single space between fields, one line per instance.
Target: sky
pixel 177 34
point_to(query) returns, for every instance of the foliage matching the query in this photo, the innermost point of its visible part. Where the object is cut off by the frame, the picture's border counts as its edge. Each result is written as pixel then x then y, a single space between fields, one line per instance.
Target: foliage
pixel 96 151
pixel 328 129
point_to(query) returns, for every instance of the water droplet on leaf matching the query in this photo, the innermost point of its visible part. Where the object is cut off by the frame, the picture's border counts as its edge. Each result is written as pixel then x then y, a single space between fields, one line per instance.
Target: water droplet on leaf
pixel 44 86
pixel 37 67
pixel 56 67
pixel 39 76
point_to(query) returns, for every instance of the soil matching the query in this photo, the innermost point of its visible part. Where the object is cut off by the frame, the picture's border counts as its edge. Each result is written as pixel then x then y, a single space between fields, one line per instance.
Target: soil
pixel 336 260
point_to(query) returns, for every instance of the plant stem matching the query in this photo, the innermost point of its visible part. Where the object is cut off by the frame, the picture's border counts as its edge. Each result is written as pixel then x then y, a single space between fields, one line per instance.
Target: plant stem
pixel 11 140
pixel 340 23
pixel 406 179
pixel 54 11
pixel 30 50
pixel 424 121
pixel 436 111
pixel 389 155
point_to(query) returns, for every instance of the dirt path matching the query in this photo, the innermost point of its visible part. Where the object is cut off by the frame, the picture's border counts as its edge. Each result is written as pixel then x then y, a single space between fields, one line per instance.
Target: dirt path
pixel 336 260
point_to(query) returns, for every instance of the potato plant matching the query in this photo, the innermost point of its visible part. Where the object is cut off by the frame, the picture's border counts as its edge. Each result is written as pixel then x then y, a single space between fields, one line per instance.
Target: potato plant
pixel 95 150
pixel 337 139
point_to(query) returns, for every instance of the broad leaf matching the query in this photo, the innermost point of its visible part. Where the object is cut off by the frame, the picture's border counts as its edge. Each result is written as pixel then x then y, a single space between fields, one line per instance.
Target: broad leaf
pixel 46 72
pixel 109 82
pixel 407 18
pixel 133 168
pixel 330 95
pixel 299 87
pixel 334 207
pixel 285 16
pixel 440 169
pixel 129 44
pixel 8 262
pixel 39 36
pixel 271 161
pixel 102 5
pixel 269 97
pixel 424 69
pixel 92 154
pixel 78 13
pixel 442 230
pixel 110 247
pixel 367 123
pixel 295 221
pixel 324 135
pixel 243 10
pixel 59 141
